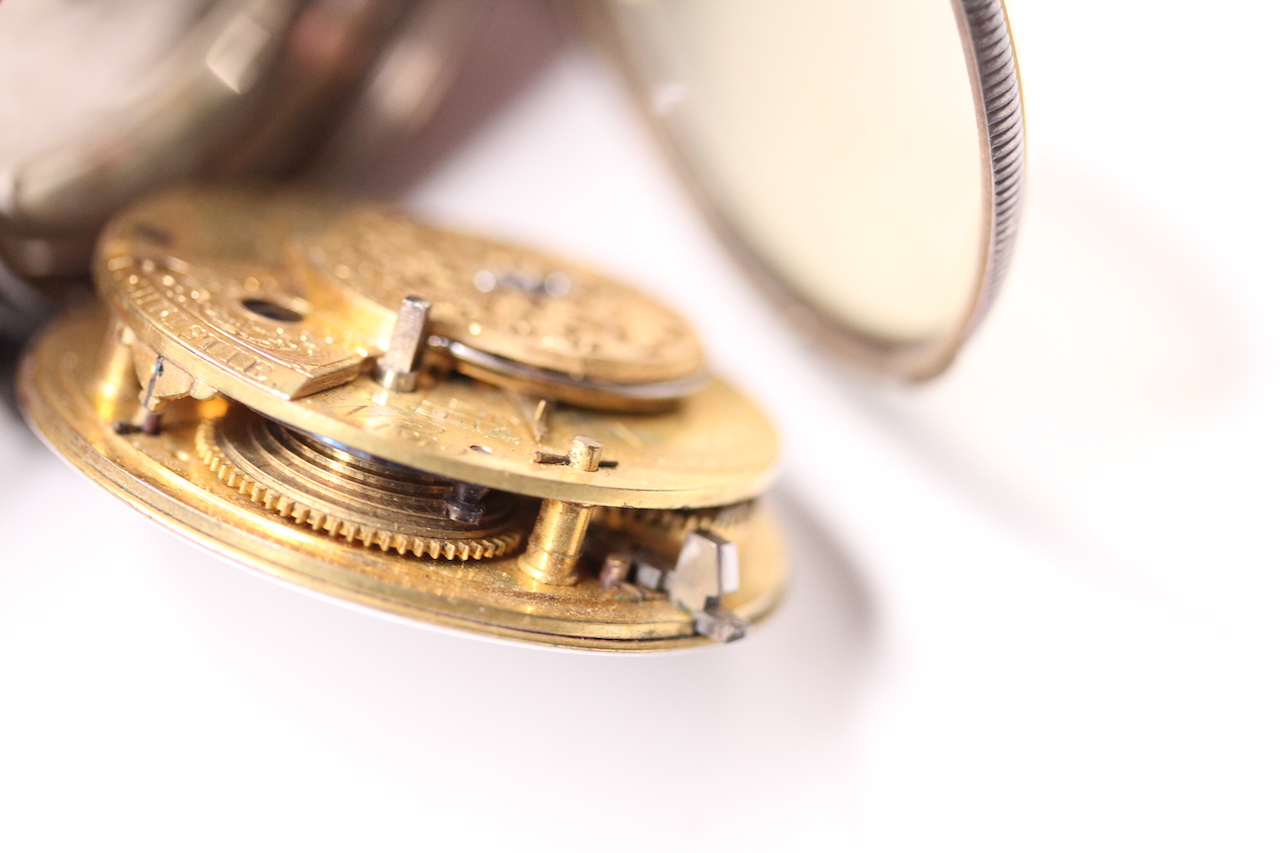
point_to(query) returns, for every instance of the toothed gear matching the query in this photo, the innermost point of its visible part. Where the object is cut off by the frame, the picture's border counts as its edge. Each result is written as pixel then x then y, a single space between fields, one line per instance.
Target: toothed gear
pixel 377 504
pixel 676 523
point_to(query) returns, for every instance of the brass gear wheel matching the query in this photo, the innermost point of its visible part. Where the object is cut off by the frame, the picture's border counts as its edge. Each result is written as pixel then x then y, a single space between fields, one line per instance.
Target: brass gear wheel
pixel 352 497
pixel 675 523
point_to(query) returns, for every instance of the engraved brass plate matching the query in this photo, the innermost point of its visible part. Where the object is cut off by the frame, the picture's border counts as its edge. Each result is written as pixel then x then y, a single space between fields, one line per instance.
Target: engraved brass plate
pixel 290 294
pixel 356 402
pixel 163 476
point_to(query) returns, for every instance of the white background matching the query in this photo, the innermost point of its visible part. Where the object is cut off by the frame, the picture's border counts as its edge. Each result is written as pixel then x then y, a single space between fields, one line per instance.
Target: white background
pixel 1034 604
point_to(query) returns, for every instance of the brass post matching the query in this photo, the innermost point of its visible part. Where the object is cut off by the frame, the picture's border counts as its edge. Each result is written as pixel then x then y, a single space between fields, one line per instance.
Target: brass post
pixel 561 526
pixel 118 387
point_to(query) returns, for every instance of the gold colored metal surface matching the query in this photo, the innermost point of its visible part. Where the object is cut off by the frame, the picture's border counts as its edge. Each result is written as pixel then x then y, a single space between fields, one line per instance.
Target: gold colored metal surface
pixel 713 448
pixel 278 379
pixel 117 391
pixel 512 302
pixel 561 528
pixel 164 476
pixel 675 524
pixel 359 500
pixel 556 543
pixel 257 298
pixel 291 294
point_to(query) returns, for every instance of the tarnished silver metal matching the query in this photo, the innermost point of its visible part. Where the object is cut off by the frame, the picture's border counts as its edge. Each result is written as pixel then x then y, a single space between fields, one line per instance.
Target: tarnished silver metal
pixel 614 572
pixel 998 89
pixel 463 503
pixel 123 96
pixel 620 394
pixel 399 366
pixel 706 570
pixel 720 624
pixel 649 575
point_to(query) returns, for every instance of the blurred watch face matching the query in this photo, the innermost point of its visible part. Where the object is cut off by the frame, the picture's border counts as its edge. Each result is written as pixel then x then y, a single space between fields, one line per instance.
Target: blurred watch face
pixel 104 100
pixel 839 142
pixel 69 63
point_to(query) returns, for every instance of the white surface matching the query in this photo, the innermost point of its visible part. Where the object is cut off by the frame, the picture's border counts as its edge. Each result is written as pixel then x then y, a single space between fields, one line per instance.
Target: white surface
pixel 1034 604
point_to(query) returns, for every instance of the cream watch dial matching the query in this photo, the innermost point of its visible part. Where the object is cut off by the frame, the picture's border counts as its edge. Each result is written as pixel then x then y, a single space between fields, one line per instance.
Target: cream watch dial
pixel 865 156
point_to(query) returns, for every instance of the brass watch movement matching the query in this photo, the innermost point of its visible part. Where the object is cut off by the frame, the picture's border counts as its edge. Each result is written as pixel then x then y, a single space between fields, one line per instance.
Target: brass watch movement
pixel 451 429
pixel 440 426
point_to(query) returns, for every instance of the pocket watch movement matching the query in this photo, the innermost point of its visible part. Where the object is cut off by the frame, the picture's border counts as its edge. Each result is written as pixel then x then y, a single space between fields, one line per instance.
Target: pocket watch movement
pixel 455 430
pixel 439 426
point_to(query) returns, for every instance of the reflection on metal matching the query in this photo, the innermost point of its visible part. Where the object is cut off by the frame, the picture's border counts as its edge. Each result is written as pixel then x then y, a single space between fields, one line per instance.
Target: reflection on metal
pixel 275 404
pixel 399 366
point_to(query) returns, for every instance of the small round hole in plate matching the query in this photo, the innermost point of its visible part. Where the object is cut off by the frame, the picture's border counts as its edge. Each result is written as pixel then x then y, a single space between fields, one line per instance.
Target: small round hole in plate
pixel 272 310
